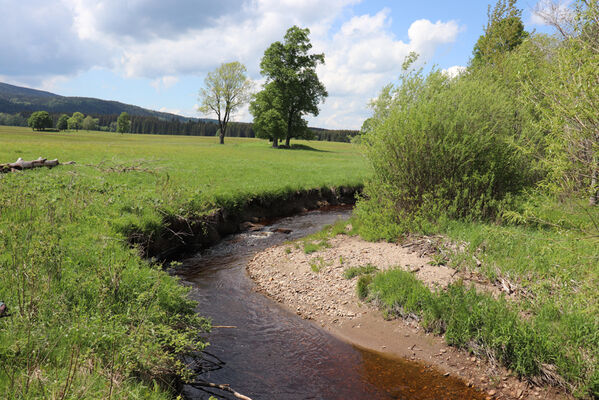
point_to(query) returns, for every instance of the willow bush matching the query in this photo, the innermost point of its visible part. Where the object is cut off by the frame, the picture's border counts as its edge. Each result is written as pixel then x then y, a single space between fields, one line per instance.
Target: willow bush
pixel 441 146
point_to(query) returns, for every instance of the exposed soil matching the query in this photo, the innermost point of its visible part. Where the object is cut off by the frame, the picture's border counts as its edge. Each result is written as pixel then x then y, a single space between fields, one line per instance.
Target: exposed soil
pixel 313 286
pixel 183 236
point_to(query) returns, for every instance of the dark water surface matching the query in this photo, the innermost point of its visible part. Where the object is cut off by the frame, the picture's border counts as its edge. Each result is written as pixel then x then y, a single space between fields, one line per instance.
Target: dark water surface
pixel 274 354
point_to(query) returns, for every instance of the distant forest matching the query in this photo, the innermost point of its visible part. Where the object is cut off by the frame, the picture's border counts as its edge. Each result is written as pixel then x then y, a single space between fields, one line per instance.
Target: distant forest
pixel 158 126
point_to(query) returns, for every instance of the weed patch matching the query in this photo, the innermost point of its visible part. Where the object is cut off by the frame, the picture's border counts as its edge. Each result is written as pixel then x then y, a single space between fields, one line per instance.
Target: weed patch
pixel 358 271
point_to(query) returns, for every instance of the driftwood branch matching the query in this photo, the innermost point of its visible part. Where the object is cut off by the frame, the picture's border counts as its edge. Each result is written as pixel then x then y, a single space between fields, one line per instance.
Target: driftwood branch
pixel 21 164
pixel 224 387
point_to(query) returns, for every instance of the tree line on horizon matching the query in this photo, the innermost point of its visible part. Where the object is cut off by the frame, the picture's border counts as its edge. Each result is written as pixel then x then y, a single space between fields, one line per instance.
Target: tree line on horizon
pixel 157 126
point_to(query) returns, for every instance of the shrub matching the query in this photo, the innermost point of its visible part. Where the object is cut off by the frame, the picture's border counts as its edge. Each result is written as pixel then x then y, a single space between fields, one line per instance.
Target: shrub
pixel 441 146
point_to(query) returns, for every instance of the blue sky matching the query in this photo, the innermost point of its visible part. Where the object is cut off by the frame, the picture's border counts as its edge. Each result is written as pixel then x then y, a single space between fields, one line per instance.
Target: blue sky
pixel 155 53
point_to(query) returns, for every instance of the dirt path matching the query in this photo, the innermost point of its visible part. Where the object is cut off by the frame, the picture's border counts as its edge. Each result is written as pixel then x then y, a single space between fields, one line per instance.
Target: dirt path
pixel 313 286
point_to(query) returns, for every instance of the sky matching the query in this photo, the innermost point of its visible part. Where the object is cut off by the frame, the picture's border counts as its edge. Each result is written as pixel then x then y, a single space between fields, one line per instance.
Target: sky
pixel 156 53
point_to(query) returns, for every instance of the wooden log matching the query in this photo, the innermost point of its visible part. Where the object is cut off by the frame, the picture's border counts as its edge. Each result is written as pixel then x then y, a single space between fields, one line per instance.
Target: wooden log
pixel 21 164
pixel 224 387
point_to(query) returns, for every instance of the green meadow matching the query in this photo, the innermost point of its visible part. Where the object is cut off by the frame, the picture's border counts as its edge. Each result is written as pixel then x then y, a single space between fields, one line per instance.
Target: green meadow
pixel 88 316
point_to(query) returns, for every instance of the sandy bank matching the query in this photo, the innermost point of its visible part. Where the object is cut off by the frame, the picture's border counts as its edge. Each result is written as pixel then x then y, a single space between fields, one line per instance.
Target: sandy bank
pixel 313 286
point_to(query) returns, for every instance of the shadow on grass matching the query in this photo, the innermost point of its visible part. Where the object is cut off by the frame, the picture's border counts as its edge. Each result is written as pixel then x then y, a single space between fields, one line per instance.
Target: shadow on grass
pixel 303 147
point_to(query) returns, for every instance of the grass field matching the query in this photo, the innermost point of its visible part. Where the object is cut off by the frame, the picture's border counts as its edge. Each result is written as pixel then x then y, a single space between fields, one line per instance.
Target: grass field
pixel 88 316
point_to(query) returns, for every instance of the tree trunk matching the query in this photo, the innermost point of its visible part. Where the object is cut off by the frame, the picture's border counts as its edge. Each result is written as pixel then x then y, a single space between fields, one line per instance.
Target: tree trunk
pixel 222 138
pixel 275 143
pixel 287 140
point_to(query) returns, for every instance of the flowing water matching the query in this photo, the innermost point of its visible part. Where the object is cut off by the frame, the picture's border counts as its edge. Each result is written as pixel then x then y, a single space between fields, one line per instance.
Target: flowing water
pixel 265 352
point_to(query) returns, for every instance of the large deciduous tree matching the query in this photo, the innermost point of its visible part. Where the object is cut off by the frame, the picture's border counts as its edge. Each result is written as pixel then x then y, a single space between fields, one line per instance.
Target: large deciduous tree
pixel 39 121
pixel 269 123
pixel 225 90
pixel 292 86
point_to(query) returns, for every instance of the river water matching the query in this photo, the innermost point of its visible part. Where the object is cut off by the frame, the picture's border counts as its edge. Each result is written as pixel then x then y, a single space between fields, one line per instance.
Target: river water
pixel 265 352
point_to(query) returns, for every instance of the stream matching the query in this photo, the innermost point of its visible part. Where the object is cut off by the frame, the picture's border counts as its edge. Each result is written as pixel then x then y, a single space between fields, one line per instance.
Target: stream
pixel 266 352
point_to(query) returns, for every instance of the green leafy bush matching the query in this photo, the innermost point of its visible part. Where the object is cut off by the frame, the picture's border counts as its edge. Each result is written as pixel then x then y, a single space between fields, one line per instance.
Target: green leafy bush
pixel 441 146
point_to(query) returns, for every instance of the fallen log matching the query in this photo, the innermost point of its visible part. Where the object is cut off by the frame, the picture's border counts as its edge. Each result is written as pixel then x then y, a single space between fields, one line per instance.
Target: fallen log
pixel 224 387
pixel 21 164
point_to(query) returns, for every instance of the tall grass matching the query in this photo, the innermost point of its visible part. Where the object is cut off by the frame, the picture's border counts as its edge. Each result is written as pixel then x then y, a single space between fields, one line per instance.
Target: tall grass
pixel 88 316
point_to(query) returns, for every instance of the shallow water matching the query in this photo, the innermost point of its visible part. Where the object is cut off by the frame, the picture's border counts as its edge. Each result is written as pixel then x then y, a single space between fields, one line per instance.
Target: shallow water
pixel 274 354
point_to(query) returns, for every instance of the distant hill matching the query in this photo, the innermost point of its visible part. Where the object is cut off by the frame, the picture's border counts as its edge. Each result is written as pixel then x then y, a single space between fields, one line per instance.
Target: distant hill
pixel 16 99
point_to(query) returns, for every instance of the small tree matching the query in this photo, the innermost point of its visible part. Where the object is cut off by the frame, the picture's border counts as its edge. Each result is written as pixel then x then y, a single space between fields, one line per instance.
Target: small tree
pixel 504 32
pixel 123 123
pixel 74 123
pixel 39 121
pixel 89 123
pixel 226 89
pixel 62 123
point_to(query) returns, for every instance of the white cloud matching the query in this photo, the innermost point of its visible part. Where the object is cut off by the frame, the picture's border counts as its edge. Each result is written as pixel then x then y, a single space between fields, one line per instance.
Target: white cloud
pixel 165 41
pixel 165 82
pixel 364 55
pixel 454 71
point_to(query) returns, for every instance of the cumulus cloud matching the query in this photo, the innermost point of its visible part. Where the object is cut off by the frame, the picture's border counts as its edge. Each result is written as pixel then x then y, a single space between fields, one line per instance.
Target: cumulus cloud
pixel 454 71
pixel 38 42
pixel 147 19
pixel 164 41
pixel 364 55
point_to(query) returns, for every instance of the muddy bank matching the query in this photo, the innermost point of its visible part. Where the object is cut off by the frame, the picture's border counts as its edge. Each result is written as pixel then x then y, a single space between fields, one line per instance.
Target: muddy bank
pixel 313 286
pixel 180 236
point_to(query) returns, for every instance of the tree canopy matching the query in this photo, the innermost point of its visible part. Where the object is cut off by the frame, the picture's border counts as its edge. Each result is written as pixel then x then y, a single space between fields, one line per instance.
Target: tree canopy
pixel 123 123
pixel 39 121
pixel 74 123
pixel 225 90
pixel 292 89
pixel 62 123
pixel 504 32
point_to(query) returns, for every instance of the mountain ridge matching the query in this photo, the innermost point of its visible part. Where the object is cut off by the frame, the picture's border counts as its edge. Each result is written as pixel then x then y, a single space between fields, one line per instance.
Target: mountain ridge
pixel 16 99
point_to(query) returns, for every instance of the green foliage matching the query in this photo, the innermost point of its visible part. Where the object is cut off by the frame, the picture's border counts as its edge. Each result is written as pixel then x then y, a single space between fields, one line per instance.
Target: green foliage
pixel 39 120
pixel 269 122
pixel 89 123
pixel 441 146
pixel 362 286
pixel 503 33
pixel 226 89
pixel 573 106
pixel 12 119
pixel 492 327
pixel 317 264
pixel 358 271
pixel 86 309
pixel 292 87
pixel 320 240
pixel 123 123
pixel 62 124
pixel 74 123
